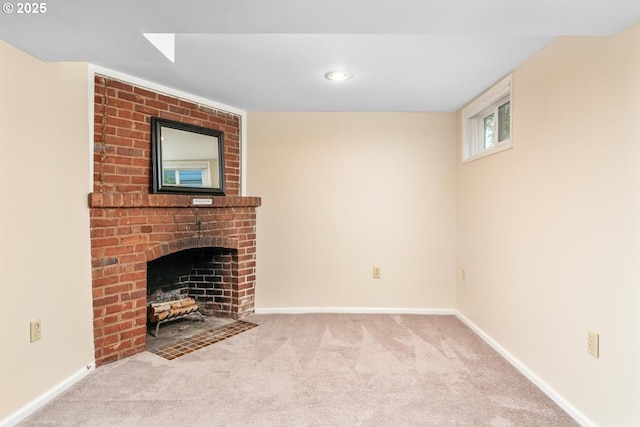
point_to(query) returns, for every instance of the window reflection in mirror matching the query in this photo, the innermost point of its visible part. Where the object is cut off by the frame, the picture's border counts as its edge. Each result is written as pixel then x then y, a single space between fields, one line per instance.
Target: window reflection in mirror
pixel 187 159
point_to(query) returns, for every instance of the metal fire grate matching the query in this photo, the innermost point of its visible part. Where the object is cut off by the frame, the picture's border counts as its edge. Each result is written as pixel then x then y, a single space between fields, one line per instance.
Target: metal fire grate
pixel 201 340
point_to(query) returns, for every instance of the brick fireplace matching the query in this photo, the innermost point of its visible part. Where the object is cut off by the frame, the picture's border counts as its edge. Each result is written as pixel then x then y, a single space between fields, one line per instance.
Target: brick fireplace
pixel 130 227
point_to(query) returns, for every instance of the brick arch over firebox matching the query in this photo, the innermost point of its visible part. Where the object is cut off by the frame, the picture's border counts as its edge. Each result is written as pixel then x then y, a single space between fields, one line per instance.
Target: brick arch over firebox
pixel 174 246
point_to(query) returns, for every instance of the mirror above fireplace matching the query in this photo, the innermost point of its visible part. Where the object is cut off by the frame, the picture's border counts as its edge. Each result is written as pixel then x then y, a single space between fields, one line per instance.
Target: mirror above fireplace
pixel 187 159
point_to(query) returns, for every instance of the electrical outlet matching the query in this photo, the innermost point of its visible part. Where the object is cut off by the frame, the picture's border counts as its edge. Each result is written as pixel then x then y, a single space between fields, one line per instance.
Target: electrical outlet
pixel 376 272
pixel 593 344
pixel 36 330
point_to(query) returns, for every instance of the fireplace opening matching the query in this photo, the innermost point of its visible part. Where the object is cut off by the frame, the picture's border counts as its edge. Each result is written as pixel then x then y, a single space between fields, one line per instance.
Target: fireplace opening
pixel 187 286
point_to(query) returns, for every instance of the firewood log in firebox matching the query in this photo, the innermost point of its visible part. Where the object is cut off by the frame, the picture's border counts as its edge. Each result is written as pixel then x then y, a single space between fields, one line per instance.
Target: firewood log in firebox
pixel 158 311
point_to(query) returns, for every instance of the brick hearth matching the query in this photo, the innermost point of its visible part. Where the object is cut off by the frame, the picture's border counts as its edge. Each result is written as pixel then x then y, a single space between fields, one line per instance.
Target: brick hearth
pixel 130 226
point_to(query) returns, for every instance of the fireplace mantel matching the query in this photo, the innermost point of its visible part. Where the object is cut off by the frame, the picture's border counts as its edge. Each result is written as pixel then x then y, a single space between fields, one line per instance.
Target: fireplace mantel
pixel 136 200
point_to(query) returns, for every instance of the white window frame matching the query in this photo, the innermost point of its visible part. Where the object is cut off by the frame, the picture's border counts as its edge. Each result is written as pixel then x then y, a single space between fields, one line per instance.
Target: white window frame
pixel 205 167
pixel 473 122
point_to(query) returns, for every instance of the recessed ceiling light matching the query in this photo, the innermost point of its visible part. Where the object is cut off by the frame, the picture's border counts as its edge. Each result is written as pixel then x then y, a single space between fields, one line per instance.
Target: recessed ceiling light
pixel 338 75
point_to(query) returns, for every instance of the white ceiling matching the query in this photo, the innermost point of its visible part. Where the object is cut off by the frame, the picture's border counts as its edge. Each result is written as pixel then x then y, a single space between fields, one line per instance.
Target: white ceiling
pixel 271 55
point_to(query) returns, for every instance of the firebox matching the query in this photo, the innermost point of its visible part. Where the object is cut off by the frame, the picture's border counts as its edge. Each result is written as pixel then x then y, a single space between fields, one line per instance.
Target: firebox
pixel 203 274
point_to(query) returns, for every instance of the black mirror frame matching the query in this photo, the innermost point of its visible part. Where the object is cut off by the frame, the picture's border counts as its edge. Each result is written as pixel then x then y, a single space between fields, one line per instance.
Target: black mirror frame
pixel 157 124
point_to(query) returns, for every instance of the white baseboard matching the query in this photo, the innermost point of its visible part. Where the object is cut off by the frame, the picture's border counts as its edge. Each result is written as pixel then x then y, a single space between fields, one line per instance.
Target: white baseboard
pixel 45 398
pixel 354 310
pixel 582 419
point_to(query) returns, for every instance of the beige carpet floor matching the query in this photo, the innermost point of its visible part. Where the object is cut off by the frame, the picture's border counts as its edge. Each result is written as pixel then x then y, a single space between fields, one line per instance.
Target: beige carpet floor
pixel 314 370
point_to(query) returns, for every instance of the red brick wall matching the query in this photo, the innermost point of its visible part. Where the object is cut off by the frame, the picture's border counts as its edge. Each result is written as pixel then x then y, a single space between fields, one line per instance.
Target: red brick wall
pixel 122 135
pixel 130 226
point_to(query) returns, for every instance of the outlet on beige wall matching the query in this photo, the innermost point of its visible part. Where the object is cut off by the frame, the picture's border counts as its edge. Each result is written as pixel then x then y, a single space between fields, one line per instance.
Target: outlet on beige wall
pixel 44 224
pixel 341 189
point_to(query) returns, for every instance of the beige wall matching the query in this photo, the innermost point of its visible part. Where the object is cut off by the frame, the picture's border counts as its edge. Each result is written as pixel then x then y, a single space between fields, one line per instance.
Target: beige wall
pixel 342 192
pixel 549 232
pixel 45 264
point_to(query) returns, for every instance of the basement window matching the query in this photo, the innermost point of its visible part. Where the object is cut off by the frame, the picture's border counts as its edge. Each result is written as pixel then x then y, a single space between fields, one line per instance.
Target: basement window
pixel 487 123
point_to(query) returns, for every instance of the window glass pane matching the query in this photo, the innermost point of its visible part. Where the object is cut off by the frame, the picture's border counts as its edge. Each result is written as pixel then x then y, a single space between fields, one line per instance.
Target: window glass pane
pixel 489 123
pixel 191 178
pixel 169 177
pixel 504 121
